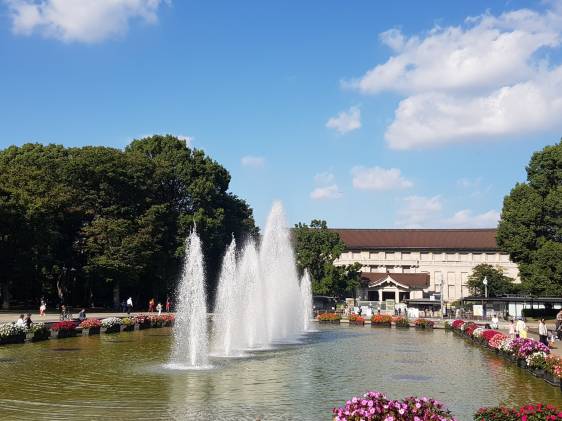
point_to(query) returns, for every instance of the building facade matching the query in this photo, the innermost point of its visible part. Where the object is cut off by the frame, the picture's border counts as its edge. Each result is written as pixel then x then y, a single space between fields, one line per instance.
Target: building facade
pixel 420 263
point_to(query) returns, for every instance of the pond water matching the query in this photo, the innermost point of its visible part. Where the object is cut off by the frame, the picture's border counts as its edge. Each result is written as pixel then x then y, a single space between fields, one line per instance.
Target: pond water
pixel 123 377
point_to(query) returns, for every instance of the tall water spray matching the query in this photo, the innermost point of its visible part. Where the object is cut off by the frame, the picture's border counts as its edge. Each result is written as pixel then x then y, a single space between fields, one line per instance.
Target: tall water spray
pixel 190 329
pixel 227 311
pixel 282 300
pixel 306 293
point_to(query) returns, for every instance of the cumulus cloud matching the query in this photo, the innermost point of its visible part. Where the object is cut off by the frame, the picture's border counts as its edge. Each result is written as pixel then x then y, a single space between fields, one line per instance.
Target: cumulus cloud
pixel 467 219
pixel 377 178
pixel 327 192
pixel 253 161
pixel 419 211
pixel 487 78
pixel 86 21
pixel 346 121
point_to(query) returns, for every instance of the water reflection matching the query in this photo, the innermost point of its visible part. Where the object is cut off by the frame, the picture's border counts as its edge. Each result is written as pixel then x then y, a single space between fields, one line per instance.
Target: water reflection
pixel 123 377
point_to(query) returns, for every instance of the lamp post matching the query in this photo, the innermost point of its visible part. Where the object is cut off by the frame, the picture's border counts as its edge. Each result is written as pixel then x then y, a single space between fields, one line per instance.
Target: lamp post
pixel 485 282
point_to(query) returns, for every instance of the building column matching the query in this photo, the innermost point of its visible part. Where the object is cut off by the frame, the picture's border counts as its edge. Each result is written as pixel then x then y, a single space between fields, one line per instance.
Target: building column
pixel 380 297
pixel 397 296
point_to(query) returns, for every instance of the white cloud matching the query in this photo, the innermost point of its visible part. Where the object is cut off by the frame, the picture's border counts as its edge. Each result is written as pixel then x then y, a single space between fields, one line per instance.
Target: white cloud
pixel 346 121
pixel 419 211
pixel 324 178
pixel 81 21
pixel 469 183
pixel 328 192
pixel 253 161
pixel 377 178
pixel 487 78
pixel 467 219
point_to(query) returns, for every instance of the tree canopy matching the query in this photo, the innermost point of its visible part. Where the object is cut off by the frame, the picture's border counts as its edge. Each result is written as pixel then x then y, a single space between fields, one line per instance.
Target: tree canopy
pixel 498 282
pixel 530 229
pixel 317 248
pixel 93 224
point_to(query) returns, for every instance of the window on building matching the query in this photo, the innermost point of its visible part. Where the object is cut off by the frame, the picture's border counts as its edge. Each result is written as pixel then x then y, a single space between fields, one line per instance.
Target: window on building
pixel 477 257
pixel 389 255
pixel 406 256
pixel 425 257
pixel 373 296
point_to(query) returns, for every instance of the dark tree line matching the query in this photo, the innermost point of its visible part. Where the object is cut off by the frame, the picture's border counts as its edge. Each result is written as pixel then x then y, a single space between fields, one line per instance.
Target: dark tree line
pixel 92 225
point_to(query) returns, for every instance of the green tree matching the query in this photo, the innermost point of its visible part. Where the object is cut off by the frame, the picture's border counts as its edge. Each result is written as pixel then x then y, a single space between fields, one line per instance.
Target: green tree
pixel 530 228
pixel 498 282
pixel 317 247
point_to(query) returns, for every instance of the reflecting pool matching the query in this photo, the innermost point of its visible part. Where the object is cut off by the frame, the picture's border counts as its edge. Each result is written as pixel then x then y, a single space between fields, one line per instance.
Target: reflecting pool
pixel 124 377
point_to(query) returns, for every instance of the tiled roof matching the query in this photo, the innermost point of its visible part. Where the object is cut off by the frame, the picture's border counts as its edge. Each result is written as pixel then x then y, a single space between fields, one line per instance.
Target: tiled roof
pixel 412 280
pixel 444 239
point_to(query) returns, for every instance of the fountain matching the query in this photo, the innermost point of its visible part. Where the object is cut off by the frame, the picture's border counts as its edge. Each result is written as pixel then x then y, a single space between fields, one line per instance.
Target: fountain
pixel 260 299
pixel 306 294
pixel 190 330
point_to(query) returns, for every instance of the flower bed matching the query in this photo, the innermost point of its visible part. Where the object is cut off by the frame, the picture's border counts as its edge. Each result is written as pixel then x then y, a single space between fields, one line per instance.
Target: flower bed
pixel 90 326
pixel 111 324
pixel 168 319
pixel 11 334
pixel 142 321
pixel 374 406
pixel 329 318
pixel 128 324
pixel 401 322
pixel 39 332
pixel 532 412
pixel 356 319
pixel 381 320
pixel 526 353
pixel 423 324
pixel 64 329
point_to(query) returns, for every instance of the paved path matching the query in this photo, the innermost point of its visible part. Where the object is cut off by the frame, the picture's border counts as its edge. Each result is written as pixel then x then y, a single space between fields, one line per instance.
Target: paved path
pixel 54 317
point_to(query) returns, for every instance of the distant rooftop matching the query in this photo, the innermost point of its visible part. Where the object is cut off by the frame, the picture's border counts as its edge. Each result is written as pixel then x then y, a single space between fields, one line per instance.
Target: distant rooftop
pixel 428 239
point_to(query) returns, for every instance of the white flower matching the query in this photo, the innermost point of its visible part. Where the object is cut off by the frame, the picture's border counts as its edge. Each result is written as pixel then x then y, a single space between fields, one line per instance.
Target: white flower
pixel 111 322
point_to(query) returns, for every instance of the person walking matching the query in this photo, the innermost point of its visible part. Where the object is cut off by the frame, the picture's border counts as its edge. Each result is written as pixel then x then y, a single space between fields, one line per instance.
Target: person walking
pixel 559 324
pixel 151 305
pixel 159 308
pixel 42 308
pixel 129 305
pixel 521 329
pixel 82 315
pixel 495 322
pixel 168 305
pixel 511 329
pixel 543 332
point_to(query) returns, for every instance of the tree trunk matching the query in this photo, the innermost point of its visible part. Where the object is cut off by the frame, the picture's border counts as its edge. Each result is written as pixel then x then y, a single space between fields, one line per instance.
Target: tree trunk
pixel 5 290
pixel 116 295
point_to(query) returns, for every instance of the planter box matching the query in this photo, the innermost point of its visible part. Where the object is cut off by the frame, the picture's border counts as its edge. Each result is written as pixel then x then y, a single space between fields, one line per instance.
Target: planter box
pixel 37 337
pixel 144 326
pixel 381 324
pixel 402 327
pixel 537 372
pixel 113 329
pixel 91 331
pixel 127 328
pixel 171 323
pixel 551 379
pixel 358 323
pixel 321 321
pixel 19 339
pixel 61 334
pixel 521 363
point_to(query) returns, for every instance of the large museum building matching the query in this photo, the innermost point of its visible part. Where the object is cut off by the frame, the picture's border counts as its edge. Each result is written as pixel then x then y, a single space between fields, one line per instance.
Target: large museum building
pixel 418 264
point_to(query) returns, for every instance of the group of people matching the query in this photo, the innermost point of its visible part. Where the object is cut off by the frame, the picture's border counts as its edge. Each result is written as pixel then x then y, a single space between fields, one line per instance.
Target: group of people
pixel 158 307
pixel 24 321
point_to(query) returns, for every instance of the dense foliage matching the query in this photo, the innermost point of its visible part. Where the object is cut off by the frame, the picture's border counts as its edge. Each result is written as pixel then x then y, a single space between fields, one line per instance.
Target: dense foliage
pixel 530 228
pixel 498 283
pixel 317 248
pixel 94 225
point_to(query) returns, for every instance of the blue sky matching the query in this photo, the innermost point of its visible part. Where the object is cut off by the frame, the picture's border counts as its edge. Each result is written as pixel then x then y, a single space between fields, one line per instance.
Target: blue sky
pixel 366 114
